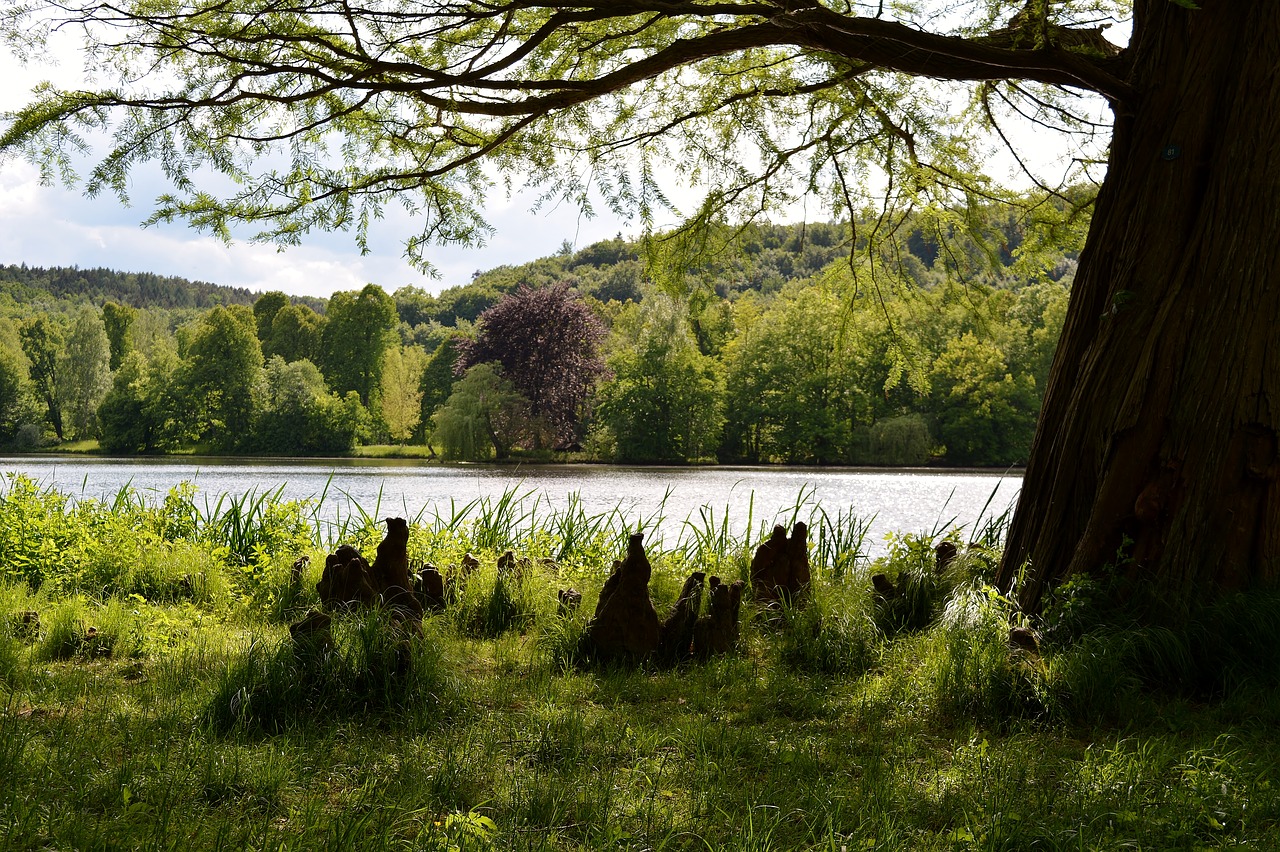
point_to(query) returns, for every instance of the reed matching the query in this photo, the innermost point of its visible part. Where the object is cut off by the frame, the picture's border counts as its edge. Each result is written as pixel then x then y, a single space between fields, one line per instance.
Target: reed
pixel 712 543
pixel 840 543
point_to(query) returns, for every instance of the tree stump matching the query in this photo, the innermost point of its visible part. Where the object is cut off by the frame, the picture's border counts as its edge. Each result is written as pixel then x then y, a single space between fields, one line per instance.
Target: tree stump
pixel 470 564
pixel 349 582
pixel 780 567
pixel 25 625
pixel 675 641
pixel 345 582
pixel 570 600
pixel 943 555
pixel 390 569
pixel 717 632
pixel 625 625
pixel 313 633
pixel 512 568
pixel 428 583
pixel 297 571
pixel 884 588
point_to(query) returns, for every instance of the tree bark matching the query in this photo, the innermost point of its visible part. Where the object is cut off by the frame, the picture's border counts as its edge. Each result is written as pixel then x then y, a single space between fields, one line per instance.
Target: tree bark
pixel 1159 431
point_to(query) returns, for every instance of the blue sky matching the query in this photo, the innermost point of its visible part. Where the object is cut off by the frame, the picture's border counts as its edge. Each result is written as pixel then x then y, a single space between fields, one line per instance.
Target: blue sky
pixel 53 226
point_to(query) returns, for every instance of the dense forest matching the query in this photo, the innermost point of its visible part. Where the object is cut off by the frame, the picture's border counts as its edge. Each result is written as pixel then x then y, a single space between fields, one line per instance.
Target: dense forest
pixel 26 285
pixel 761 344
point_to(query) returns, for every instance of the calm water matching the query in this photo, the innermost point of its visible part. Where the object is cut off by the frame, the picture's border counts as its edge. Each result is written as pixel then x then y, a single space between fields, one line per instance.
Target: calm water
pixel 900 501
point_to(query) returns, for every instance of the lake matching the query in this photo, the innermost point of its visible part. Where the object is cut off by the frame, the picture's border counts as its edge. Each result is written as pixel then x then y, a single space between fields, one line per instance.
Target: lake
pixel 912 501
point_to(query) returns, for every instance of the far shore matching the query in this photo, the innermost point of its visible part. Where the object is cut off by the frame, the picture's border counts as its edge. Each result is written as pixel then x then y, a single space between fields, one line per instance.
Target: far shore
pixel 376 453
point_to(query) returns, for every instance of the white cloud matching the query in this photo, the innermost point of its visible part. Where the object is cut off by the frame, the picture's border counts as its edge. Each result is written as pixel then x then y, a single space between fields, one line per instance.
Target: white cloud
pixel 53 226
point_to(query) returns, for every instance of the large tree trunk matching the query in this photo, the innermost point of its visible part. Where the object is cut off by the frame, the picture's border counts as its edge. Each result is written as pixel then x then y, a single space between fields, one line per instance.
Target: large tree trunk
pixel 1159 432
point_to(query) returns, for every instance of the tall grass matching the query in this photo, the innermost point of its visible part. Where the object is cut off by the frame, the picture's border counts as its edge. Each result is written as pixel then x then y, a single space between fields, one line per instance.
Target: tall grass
pixel 255 524
pixel 971 670
pixel 713 543
pixel 840 543
pixel 188 720
pixel 374 670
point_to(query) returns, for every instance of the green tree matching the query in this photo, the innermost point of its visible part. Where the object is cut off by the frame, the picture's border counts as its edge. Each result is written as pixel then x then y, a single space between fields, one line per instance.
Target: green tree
pixel 985 414
pixel 414 306
pixel 223 376
pixel 264 312
pixel 118 320
pixel 484 413
pixel 84 373
pixel 665 401
pixel 1039 312
pixel 18 405
pixel 299 416
pixel 296 334
pixel 467 303
pixel 152 333
pixel 42 342
pixel 437 380
pixel 900 441
pixel 401 392
pixel 620 282
pixel 144 411
pixel 1158 392
pixel 794 391
pixel 359 330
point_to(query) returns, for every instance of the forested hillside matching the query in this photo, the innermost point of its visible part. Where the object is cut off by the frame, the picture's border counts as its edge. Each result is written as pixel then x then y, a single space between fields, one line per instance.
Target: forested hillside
pixel 795 344
pixel 772 343
pixel 34 285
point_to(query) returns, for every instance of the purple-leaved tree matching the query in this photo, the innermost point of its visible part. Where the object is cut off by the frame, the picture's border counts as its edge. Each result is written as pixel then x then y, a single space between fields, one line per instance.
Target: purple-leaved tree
pixel 547 342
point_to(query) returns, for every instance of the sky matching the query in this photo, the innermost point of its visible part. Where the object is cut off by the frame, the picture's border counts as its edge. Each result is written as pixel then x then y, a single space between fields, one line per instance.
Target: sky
pixel 53 226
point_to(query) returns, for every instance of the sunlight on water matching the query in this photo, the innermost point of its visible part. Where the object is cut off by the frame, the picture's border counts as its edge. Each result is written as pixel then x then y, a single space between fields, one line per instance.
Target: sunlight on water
pixel 911 501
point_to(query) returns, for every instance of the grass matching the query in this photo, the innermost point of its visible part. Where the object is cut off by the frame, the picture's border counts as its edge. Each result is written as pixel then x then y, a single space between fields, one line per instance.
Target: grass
pixel 393 451
pixel 187 720
pixel 90 446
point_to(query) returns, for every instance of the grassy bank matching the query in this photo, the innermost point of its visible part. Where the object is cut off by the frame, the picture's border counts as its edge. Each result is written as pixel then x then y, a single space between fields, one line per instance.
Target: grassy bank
pixel 186 718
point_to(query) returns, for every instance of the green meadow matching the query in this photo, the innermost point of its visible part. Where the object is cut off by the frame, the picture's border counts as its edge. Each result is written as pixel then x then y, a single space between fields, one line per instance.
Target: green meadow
pixel 153 699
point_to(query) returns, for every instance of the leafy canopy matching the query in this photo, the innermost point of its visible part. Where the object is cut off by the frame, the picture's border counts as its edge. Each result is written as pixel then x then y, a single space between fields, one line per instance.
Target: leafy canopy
pixel 547 342
pixel 284 117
